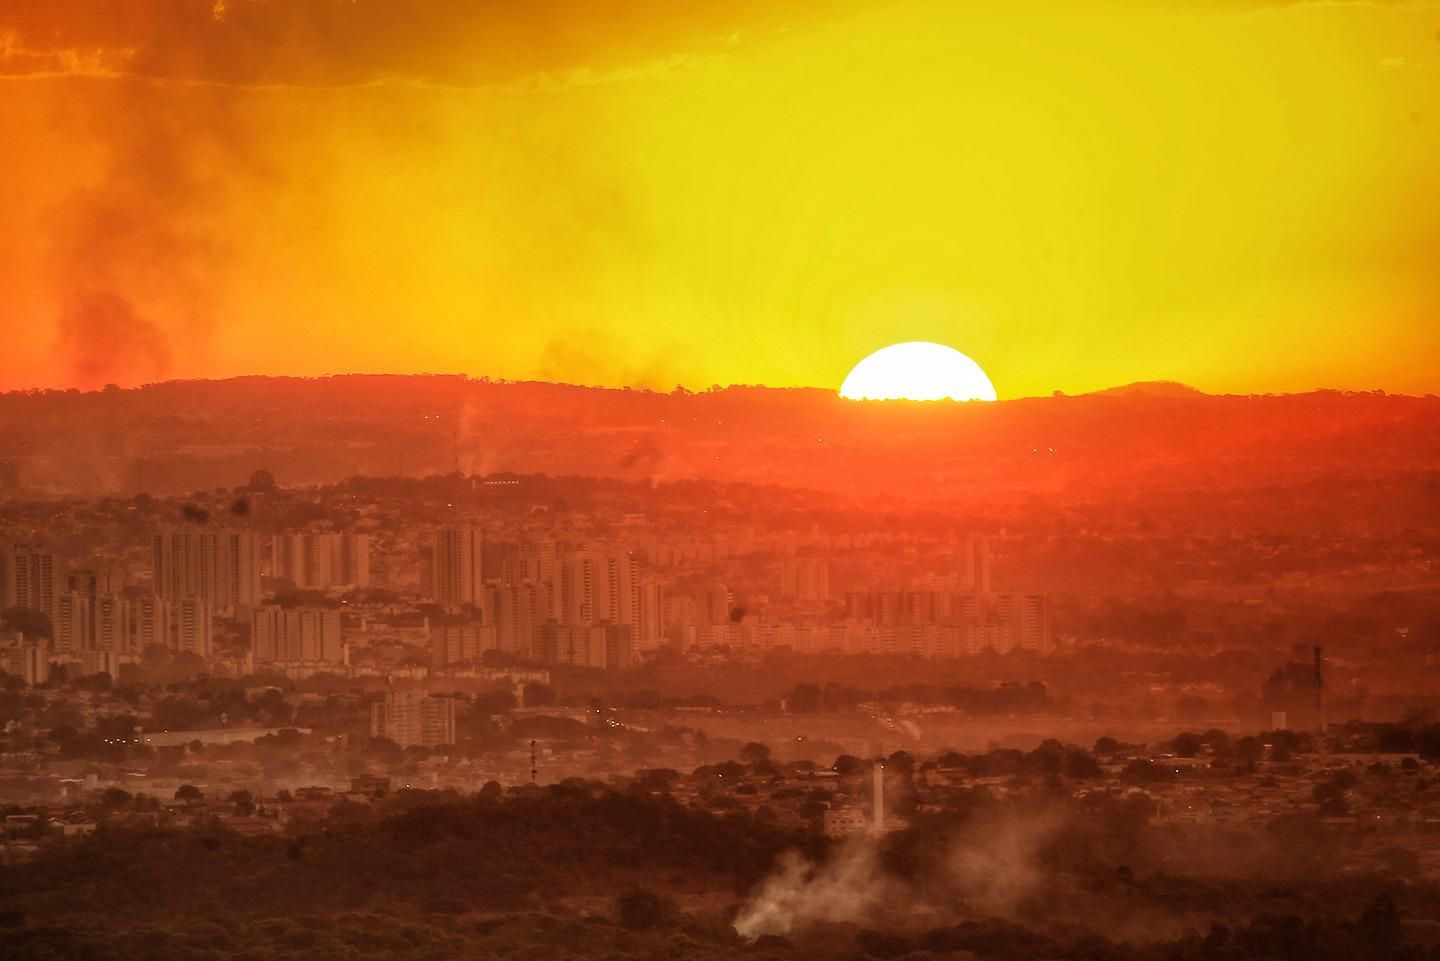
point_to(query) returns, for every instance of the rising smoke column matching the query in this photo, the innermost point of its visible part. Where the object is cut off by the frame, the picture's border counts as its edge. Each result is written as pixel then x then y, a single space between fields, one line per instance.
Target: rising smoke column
pixel 850 886
pixel 990 868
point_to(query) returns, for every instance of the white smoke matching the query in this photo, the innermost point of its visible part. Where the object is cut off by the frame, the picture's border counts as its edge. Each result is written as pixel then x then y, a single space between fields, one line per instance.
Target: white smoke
pixel 849 886
pixel 991 869
pixel 995 866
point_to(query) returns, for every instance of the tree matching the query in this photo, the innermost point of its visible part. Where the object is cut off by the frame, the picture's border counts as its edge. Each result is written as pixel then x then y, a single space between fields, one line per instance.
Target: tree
pixel 188 793
pixel 1187 744
pixel 113 798
pixel 642 910
pixel 1249 749
pixel 540 695
pixel 754 753
pixel 1380 923
pixel 804 699
pixel 23 620
pixel 1081 766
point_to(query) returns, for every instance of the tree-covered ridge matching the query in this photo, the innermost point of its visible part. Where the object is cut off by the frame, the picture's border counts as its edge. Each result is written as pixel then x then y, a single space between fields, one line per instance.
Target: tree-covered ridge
pixel 583 871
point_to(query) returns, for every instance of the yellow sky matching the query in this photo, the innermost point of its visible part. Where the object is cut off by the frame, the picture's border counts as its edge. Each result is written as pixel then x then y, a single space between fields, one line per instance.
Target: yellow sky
pixel 1239 196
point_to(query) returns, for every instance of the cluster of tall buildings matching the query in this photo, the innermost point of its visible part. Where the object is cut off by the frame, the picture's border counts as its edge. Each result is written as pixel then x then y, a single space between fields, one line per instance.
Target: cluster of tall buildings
pixel 1004 621
pixel 951 616
pixel 220 567
pixel 805 579
pixel 321 561
pixel 595 605
pixel 552 601
pixel 1028 630
pixel 90 618
pixel 27 579
pixel 297 640
pixel 105 630
pixel 98 622
pixel 556 602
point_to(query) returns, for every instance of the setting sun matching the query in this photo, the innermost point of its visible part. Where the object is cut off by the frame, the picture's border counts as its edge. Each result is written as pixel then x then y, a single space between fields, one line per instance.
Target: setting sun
pixel 917 371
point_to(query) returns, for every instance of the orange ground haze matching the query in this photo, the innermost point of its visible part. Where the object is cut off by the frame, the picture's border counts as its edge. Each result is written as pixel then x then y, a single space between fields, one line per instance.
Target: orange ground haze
pixel 1236 195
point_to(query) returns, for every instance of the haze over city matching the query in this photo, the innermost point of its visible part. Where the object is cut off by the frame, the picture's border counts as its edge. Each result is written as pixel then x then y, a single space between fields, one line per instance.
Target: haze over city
pixel 807 482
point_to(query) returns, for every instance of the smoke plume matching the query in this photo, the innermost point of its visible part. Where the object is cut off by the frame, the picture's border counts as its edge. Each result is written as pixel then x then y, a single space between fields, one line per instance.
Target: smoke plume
pixel 103 340
pixel 992 868
pixel 849 886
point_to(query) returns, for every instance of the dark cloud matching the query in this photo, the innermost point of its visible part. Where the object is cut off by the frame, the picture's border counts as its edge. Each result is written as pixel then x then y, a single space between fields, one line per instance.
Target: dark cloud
pixel 103 340
pixel 592 356
pixel 646 454
pixel 342 42
pixel 132 256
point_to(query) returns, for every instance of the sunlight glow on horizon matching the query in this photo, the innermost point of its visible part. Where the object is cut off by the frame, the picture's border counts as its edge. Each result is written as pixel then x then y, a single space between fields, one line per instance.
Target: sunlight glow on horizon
pixel 917 370
pixel 640 200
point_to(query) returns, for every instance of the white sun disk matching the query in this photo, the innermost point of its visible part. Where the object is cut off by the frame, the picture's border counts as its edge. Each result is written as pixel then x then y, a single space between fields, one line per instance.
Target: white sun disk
pixel 917 370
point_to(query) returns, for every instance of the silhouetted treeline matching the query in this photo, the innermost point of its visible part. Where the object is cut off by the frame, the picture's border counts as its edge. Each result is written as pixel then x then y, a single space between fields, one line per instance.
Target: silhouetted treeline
pixel 583 871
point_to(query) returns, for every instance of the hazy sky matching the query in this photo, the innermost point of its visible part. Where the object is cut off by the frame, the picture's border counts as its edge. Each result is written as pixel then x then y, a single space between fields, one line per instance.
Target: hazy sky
pixel 1241 196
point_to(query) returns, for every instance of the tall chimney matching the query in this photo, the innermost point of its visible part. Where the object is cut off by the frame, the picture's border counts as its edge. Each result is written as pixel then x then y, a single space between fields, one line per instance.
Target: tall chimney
pixel 879 797
pixel 1320 698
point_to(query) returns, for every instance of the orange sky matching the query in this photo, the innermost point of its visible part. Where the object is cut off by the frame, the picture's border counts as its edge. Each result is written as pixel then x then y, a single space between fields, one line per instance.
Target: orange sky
pixel 1238 195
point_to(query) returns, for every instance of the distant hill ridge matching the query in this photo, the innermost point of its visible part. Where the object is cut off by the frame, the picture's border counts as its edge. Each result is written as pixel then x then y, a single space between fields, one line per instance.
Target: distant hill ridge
pixel 1150 388
pixel 183 435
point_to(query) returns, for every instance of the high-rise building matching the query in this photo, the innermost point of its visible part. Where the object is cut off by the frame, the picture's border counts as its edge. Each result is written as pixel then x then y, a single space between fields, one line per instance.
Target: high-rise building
pixel 99 662
pixel 516 611
pixel 29 660
pixel 321 560
pixel 572 587
pixel 619 645
pixel 569 644
pixel 414 718
pixel 192 627
pixel 1031 627
pixel 650 628
pixel 73 628
pixel 717 605
pixel 183 625
pixel 462 643
pixel 90 615
pixel 152 623
pixel 974 564
pixel 27 580
pixel 457 566
pixel 614 587
pixel 308 635
pixel 609 646
pixel 94 581
pixel 114 631
pixel 219 567
pixel 805 579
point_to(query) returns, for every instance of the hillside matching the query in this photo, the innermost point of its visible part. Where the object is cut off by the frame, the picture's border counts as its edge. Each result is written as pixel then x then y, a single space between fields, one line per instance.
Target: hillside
pixel 1109 448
